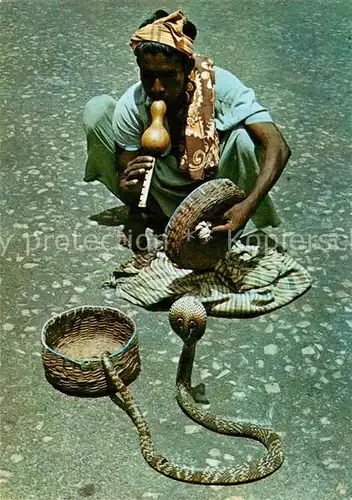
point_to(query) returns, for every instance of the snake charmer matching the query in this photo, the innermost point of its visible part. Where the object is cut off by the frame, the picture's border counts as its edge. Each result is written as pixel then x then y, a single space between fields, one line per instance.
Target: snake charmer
pixel 217 129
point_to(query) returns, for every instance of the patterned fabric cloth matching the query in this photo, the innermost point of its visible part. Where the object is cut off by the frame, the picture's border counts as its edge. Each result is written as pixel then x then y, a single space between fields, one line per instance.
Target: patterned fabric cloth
pixel 167 30
pixel 201 155
pixel 202 148
pixel 248 281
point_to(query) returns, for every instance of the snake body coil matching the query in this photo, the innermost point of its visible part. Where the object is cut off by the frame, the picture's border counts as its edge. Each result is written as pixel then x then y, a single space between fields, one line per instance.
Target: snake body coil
pixel 188 319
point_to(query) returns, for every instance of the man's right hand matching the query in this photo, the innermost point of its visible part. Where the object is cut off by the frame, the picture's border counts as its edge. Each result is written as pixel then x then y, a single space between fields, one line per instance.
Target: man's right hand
pixel 131 167
pixel 135 171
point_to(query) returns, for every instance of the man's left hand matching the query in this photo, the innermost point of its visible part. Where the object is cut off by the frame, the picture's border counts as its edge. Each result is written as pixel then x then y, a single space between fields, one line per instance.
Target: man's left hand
pixel 237 216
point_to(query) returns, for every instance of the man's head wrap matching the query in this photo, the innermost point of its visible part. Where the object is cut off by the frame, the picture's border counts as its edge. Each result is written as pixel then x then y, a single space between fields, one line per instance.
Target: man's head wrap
pixel 167 30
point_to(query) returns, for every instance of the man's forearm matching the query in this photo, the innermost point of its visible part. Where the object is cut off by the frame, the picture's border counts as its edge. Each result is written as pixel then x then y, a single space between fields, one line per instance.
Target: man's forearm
pixel 272 164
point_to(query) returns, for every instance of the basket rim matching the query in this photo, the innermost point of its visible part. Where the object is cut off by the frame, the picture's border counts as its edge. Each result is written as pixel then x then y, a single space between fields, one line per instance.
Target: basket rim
pixel 80 308
pixel 221 181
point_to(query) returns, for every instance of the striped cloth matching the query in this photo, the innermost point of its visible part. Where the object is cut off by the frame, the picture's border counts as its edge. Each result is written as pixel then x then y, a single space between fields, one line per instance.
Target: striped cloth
pixel 248 281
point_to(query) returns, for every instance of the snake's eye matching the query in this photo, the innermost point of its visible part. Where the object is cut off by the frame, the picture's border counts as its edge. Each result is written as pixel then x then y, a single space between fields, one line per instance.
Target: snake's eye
pixel 179 321
pixel 192 324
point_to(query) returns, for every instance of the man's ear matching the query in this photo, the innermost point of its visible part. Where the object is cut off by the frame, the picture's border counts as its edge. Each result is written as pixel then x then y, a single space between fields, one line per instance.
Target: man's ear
pixel 189 65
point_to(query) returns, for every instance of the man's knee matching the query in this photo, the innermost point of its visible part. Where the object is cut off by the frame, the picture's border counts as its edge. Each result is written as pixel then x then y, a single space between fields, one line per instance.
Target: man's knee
pixel 243 141
pixel 98 109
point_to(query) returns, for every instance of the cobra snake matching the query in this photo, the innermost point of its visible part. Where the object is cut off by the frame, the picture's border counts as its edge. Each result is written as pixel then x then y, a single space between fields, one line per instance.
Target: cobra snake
pixel 188 318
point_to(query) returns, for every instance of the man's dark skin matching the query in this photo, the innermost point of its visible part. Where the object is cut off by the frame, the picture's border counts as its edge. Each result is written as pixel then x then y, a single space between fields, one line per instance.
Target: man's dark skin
pixel 164 78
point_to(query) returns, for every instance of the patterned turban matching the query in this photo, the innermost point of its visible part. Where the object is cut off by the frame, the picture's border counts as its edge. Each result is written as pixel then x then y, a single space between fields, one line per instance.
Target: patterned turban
pixel 167 30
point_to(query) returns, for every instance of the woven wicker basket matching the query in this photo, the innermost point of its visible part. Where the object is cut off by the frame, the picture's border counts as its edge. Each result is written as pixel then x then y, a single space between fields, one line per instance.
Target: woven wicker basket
pixel 208 203
pixel 72 344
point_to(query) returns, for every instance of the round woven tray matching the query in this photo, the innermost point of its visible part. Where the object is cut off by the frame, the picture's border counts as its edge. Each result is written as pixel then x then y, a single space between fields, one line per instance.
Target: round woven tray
pixel 72 345
pixel 206 203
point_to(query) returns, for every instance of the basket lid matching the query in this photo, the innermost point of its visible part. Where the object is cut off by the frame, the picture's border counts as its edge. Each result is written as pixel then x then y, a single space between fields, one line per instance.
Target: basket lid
pixel 207 203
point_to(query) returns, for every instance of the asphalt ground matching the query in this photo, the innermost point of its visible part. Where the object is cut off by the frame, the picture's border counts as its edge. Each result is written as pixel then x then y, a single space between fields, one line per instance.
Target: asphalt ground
pixel 289 369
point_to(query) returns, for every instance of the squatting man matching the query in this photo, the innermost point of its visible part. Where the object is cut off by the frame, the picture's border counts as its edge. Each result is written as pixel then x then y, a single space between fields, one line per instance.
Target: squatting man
pixel 217 129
